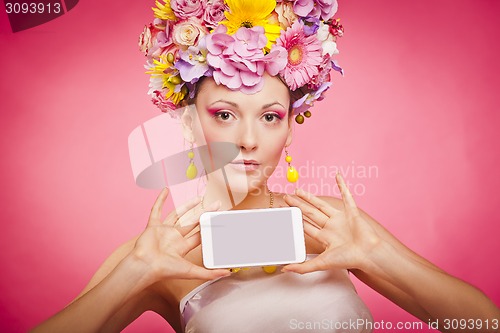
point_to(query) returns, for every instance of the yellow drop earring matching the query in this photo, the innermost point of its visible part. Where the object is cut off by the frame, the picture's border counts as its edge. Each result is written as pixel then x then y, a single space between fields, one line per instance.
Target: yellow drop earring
pixel 291 175
pixel 191 171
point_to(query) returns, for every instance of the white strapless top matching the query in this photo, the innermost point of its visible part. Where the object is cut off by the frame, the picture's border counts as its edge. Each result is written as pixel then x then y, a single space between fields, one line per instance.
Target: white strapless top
pixel 253 301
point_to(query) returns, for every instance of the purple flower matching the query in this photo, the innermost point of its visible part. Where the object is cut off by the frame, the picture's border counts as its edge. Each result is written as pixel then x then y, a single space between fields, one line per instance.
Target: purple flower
pixel 323 9
pixel 185 9
pixel 311 25
pixel 239 61
pixel 307 101
pixel 214 13
pixel 337 68
pixel 192 64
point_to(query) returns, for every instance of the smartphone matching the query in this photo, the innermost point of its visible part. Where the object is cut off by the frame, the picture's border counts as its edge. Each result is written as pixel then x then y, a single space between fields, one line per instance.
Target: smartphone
pixel 253 237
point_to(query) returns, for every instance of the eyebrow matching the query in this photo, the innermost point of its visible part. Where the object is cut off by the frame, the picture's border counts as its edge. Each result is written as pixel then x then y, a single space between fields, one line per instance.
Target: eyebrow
pixel 236 105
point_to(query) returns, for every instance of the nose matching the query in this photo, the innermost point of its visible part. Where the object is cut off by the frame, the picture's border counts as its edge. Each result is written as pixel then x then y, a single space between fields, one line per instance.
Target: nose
pixel 247 137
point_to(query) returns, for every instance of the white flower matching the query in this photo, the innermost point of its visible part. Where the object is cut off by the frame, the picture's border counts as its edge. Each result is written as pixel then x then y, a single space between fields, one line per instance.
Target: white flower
pixel 322 33
pixel 327 40
pixel 330 47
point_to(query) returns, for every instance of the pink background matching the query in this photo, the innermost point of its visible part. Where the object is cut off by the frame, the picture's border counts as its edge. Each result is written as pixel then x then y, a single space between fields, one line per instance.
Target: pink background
pixel 419 103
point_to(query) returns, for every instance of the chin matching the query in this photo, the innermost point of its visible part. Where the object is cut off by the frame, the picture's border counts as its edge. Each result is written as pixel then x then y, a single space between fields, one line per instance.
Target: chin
pixel 240 182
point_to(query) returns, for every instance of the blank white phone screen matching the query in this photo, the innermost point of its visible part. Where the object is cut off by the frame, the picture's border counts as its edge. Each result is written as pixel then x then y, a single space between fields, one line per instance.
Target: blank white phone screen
pixel 252 238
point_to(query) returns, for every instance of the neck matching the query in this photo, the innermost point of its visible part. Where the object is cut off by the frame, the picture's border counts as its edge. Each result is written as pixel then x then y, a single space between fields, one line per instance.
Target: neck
pixel 230 200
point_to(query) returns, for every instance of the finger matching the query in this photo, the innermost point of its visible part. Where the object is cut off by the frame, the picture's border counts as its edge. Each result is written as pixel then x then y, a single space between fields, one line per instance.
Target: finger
pixel 314 232
pixel 349 204
pixel 309 211
pixel 193 241
pixel 174 216
pixel 194 215
pixel 315 264
pixel 321 204
pixel 308 220
pixel 155 214
pixel 185 230
pixel 197 272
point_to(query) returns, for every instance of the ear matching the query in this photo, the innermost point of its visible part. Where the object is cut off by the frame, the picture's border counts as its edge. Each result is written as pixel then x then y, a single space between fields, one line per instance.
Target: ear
pixel 187 125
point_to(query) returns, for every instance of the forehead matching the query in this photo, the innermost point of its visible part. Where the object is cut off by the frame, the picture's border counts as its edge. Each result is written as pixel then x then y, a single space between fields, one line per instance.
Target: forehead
pixel 274 90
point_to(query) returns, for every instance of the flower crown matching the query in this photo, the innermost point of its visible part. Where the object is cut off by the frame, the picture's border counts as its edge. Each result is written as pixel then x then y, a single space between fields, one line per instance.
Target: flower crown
pixel 235 42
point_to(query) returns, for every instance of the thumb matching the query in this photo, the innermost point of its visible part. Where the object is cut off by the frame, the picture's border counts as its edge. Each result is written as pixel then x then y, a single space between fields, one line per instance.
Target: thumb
pixel 198 272
pixel 315 264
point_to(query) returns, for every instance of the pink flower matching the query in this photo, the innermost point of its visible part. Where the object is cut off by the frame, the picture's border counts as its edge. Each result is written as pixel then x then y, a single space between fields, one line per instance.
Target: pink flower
pixel 304 56
pixel 146 40
pixel 323 9
pixel 323 74
pixel 187 33
pixel 163 104
pixel 285 14
pixel 184 9
pixel 214 13
pixel 239 61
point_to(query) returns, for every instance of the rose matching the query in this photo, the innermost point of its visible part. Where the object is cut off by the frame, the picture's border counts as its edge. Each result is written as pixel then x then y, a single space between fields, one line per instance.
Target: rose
pixel 163 104
pixel 187 33
pixel 184 9
pixel 145 39
pixel 214 13
pixel 286 16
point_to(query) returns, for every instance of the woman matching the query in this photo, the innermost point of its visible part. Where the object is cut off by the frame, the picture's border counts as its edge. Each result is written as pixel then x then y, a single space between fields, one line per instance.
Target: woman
pixel 253 109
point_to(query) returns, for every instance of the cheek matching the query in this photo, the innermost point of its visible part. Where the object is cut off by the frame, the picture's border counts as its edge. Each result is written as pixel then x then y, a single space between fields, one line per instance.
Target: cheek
pixel 206 131
pixel 274 144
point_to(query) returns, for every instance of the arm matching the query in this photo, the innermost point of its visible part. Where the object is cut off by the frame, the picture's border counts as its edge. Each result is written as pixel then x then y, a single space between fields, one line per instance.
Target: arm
pixel 92 310
pixel 157 255
pixel 441 295
pixel 356 242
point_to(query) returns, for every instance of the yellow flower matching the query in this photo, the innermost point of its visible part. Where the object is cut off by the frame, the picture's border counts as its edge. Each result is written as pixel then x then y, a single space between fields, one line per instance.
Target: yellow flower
pixel 175 97
pixel 251 13
pixel 160 66
pixel 164 12
pixel 170 79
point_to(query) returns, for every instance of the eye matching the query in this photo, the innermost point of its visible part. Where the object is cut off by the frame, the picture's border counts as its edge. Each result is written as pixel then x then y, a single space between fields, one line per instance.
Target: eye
pixel 222 115
pixel 272 117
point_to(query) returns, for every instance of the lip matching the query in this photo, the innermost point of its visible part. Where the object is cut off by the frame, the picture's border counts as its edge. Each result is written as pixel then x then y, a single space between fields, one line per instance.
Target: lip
pixel 245 165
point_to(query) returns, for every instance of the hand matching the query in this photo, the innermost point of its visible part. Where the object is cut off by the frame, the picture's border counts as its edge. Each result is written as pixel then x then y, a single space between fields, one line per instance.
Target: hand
pixel 346 235
pixel 164 243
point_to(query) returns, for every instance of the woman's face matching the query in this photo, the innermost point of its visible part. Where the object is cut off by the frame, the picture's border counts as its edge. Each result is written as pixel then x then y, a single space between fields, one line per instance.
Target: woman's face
pixel 259 125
